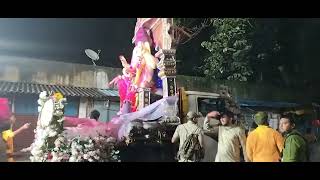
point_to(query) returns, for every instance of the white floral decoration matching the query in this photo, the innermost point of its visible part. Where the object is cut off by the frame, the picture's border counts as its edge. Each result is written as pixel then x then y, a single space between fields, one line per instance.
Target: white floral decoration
pixel 51 144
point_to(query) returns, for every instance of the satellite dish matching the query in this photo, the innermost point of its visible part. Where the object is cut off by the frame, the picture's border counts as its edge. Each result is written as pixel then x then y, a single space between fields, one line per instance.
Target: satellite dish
pixel 92 55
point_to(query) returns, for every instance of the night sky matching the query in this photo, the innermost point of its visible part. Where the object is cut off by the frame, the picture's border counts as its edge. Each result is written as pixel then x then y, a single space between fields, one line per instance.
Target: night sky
pixel 66 39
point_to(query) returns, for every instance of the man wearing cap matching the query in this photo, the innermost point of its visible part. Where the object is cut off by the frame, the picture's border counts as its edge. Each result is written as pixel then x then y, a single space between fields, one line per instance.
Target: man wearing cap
pixel 264 144
pixel 184 130
pixel 230 137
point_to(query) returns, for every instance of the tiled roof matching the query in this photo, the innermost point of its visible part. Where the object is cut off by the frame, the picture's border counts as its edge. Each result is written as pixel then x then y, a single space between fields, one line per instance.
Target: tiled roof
pixel 255 103
pixel 110 92
pixel 34 88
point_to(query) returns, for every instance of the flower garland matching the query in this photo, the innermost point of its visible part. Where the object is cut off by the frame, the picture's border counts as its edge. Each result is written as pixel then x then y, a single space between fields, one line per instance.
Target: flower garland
pixel 47 130
pixel 97 149
pixel 52 145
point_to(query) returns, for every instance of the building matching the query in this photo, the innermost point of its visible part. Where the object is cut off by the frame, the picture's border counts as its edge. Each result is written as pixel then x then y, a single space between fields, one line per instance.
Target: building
pixel 85 87
pixel 274 110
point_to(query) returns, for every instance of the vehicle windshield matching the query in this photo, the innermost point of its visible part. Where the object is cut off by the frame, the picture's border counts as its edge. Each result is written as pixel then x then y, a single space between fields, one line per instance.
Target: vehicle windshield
pixel 206 105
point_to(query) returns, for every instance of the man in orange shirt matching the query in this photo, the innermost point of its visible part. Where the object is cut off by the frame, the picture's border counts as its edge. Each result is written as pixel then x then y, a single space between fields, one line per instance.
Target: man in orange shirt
pixel 264 144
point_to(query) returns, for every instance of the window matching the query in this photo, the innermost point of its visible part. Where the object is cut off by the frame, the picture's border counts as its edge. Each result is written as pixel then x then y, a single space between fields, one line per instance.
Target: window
pixel 26 105
pixel 107 109
pixel 72 106
pixel 206 105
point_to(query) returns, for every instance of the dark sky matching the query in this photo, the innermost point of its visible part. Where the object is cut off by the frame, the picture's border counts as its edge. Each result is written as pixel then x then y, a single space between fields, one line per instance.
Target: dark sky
pixel 64 39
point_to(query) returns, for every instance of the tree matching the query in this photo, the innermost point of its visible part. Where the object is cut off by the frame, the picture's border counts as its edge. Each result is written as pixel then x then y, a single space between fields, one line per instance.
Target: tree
pixel 265 51
pixel 185 29
pixel 229 49
pixel 241 49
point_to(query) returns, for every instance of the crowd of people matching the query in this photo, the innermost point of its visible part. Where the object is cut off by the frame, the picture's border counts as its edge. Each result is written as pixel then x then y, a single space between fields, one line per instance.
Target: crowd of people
pixel 261 144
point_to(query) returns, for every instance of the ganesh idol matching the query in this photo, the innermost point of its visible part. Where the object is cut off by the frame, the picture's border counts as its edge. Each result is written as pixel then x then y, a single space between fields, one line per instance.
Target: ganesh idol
pixel 138 74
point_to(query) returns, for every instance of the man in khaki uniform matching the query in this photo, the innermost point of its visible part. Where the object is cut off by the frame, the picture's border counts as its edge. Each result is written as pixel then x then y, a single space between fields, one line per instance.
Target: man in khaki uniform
pixel 184 130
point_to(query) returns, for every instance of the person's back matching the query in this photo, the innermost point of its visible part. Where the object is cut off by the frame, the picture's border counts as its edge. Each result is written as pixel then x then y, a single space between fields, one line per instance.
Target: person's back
pixel 184 130
pixel 264 144
pixel 229 143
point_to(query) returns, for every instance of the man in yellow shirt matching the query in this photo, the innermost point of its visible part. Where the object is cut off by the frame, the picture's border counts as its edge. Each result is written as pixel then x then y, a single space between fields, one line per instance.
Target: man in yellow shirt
pixel 8 136
pixel 264 144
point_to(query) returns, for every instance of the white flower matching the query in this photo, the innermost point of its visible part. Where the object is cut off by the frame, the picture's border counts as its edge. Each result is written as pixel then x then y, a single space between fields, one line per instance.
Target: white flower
pixel 36 152
pixel 43 94
pixel 39 132
pixel 57 143
pixel 85 156
pixel 74 145
pixel 60 120
pixel 52 133
pixel 98 151
pixel 72 159
pixel 90 160
pixel 91 153
pixel 96 157
pixel 55 159
pixel 96 138
pixel 79 147
pixel 40 102
pixel 91 146
pixel 45 132
pixel 39 142
pixel 65 156
pixel 79 159
pixel 115 157
pixel 46 122
pixel 111 139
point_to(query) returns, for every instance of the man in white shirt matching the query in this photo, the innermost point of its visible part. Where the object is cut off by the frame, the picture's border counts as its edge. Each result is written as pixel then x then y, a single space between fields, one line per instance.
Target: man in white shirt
pixel 230 137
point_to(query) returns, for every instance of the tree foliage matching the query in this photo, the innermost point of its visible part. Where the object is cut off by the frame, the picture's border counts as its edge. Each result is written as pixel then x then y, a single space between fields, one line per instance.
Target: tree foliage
pixel 185 29
pixel 280 51
pixel 229 50
pixel 237 49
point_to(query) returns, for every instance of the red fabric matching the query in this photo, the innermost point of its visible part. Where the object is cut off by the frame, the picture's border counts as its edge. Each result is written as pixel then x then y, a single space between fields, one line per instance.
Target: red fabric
pixel 126 93
pixel 122 87
pixel 5 111
pixel 74 121
pixel 316 123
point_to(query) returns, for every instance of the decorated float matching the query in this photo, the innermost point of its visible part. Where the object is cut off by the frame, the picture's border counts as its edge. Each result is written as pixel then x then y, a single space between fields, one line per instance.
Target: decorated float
pixel 54 143
pixel 142 119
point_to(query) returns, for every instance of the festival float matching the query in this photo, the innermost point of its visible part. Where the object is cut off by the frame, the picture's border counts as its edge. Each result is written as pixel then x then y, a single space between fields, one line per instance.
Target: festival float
pixel 142 119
